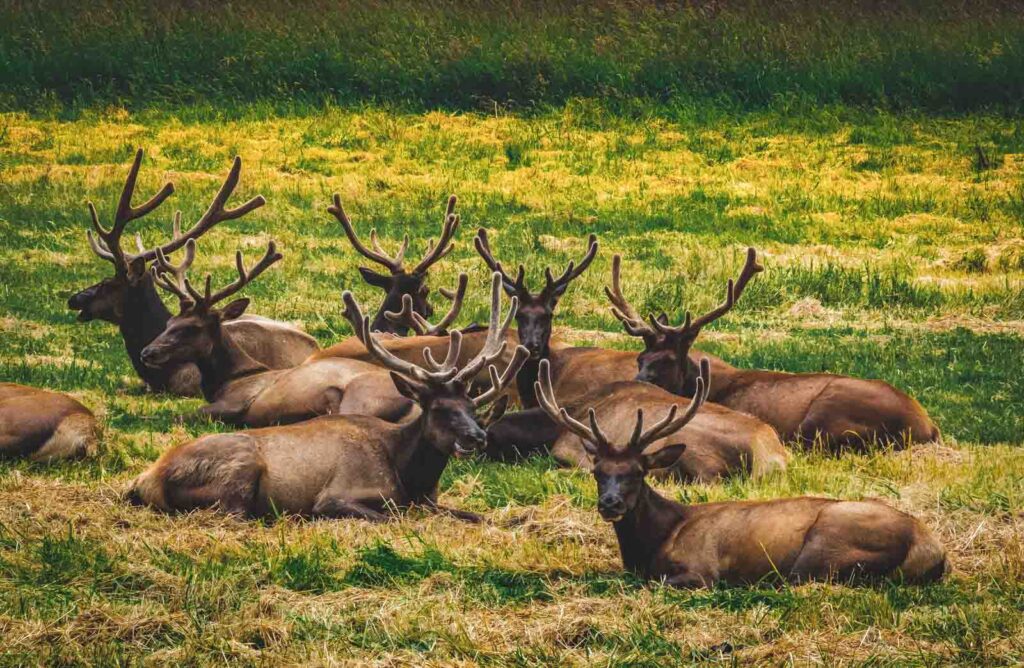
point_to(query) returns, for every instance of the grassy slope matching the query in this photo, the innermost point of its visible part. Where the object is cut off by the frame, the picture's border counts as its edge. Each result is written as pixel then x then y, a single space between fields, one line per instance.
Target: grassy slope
pixel 890 254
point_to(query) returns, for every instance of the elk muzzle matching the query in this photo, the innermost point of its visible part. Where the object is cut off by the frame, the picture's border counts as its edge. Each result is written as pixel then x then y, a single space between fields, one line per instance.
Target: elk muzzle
pixel 156 355
pixel 80 302
pixel 611 506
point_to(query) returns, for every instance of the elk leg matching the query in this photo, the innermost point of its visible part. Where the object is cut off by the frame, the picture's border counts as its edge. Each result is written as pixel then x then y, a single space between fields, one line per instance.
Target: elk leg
pixel 335 507
pixel 464 515
pixel 520 434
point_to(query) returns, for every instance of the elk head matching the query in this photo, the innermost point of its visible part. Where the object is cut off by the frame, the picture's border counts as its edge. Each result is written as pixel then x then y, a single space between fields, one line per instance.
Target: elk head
pixel 665 360
pixel 193 334
pixel 442 390
pixel 620 469
pixel 399 282
pixel 110 299
pixel 536 309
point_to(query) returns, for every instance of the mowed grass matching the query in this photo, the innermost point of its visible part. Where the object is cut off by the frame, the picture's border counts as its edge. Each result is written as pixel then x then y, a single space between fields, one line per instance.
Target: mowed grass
pixel 893 250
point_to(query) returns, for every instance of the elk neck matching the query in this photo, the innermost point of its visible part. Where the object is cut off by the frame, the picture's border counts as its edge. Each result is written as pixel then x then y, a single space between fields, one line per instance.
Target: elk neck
pixel 644 530
pixel 227 362
pixel 145 318
pixel 417 462
pixel 525 379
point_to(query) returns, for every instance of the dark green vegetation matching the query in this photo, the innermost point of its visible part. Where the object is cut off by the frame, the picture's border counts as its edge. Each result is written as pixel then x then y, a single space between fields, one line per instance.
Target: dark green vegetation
pixel 939 55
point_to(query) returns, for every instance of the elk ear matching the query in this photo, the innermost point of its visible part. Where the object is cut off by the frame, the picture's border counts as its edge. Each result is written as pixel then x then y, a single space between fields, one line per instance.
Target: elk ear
pixel 235 309
pixel 377 280
pixel 407 387
pixel 136 269
pixel 666 456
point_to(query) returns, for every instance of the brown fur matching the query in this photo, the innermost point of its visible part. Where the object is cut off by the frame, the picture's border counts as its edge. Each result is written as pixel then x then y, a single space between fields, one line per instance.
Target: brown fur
pixel 796 539
pixel 44 425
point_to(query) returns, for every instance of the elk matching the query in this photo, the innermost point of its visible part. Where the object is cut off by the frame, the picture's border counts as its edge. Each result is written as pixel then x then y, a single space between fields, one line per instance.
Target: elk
pixel 536 309
pixel 401 283
pixel 342 465
pixel 43 425
pixel 129 299
pixel 836 411
pixel 242 391
pixel 736 542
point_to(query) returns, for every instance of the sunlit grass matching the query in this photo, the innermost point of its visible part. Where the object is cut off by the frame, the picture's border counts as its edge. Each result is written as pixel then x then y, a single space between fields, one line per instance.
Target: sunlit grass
pixel 889 254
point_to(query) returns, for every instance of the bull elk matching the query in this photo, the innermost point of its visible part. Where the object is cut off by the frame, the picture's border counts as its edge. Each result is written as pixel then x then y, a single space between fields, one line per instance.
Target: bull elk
pixel 342 465
pixel 838 411
pixel 536 309
pixel 129 299
pixel 243 391
pixel 43 425
pixel 400 282
pixel 736 542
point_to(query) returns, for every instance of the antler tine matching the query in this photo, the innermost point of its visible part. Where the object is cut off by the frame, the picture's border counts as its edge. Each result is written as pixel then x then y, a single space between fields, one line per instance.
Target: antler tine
pixel 499 383
pixel 621 308
pixel 483 248
pixel 394 264
pixel 733 291
pixel 545 392
pixel 443 247
pixel 108 244
pixel 573 270
pixel 421 325
pixel 361 325
pixel 407 317
pixel 670 423
pixel 180 286
pixel 495 343
pixel 244 276
pixel 215 213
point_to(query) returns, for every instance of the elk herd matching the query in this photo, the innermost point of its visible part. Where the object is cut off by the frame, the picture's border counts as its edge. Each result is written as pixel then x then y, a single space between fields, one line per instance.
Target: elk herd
pixel 368 424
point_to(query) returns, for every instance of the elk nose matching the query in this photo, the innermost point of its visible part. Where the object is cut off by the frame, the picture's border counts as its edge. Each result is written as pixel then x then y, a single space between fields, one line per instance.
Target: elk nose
pixel 149 356
pixel 611 506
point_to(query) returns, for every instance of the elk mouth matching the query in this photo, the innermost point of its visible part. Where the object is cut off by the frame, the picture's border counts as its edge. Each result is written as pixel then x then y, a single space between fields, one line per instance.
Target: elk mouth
pixel 154 358
pixel 612 517
pixel 462 451
pixel 83 316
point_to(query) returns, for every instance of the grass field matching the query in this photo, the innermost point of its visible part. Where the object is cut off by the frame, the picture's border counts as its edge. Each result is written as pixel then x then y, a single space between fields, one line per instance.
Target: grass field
pixel 874 158
pixel 891 252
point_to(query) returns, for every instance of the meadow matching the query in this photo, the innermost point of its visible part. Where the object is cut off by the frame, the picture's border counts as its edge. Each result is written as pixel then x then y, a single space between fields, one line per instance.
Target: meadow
pixel 887 204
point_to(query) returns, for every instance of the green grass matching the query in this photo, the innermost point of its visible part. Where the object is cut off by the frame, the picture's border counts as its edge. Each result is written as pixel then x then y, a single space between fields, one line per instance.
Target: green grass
pixel 889 254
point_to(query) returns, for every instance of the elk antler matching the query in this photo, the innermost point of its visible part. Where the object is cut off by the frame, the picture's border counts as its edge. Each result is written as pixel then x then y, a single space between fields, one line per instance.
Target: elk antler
pixel 107 244
pixel 621 308
pixel 556 286
pixel 443 247
pixel 162 268
pixel 483 247
pixel 640 438
pixel 192 298
pixel 414 321
pixel 447 371
pixel 394 263
pixel 553 287
pixel 635 326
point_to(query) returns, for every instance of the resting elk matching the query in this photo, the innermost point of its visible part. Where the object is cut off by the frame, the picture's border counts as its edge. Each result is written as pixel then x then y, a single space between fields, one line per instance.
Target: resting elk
pixel 536 309
pixel 43 425
pixel 129 299
pixel 342 465
pixel 243 391
pixel 837 411
pixel 737 542
pixel 400 282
